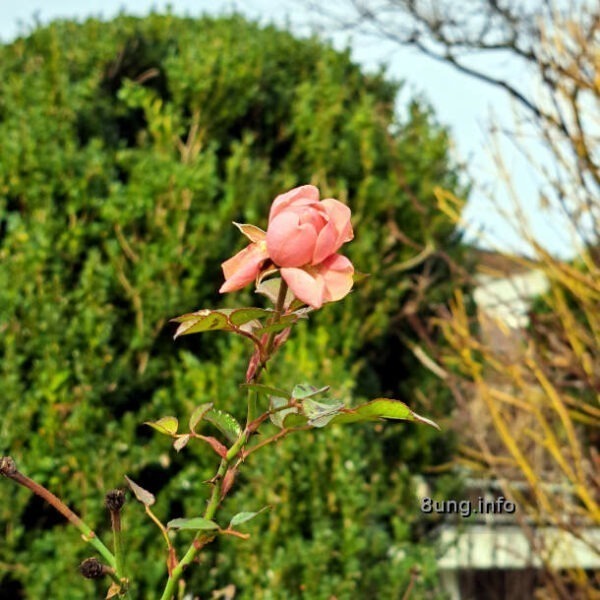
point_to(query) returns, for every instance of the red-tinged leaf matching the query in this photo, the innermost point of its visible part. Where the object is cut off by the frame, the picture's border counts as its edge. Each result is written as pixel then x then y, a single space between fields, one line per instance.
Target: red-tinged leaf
pixel 198 414
pixel 202 320
pixel 215 444
pixel 252 232
pixel 253 365
pixel 144 496
pixel 166 425
pixel 181 442
pixel 227 319
pixel 228 480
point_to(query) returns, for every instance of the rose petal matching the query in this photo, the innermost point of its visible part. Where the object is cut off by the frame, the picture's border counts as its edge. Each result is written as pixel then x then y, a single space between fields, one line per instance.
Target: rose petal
pixel 326 244
pixel 336 273
pixel 339 214
pixel 304 286
pixel 242 269
pixel 305 194
pixel 289 243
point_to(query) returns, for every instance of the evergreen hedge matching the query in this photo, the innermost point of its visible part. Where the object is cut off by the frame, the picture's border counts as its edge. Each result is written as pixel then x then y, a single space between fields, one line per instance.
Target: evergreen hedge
pixel 128 148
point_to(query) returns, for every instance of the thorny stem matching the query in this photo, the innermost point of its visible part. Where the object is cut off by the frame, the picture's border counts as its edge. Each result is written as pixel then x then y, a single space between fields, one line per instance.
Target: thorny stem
pixel 9 469
pixel 217 492
pixel 268 350
pixel 209 513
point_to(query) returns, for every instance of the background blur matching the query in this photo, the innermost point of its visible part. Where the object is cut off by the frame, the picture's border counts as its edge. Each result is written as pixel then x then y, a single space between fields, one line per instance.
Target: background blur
pixel 129 145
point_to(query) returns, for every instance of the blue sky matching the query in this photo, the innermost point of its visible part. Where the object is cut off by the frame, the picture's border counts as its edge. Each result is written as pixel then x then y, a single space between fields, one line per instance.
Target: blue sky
pixel 460 102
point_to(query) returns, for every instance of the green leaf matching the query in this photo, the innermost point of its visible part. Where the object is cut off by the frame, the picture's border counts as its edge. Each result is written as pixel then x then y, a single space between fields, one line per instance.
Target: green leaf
pixel 166 425
pixel 320 414
pixel 304 390
pixel 196 524
pixel 227 319
pixel 381 408
pixel 198 414
pixel 144 496
pixel 284 322
pixel 270 289
pixel 278 418
pixel 240 316
pixel 265 389
pixel 225 423
pixel 202 320
pixel 243 517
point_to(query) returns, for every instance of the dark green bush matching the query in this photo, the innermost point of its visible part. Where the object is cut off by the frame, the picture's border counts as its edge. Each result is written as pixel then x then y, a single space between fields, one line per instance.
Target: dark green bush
pixel 128 147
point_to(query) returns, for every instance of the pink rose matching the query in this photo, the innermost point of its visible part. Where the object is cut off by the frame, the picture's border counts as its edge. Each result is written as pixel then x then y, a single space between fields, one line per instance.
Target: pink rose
pixel 302 240
pixel 304 231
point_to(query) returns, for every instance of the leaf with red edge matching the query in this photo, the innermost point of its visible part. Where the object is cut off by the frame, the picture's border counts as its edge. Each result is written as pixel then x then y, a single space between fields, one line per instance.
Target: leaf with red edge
pixel 215 444
pixel 225 319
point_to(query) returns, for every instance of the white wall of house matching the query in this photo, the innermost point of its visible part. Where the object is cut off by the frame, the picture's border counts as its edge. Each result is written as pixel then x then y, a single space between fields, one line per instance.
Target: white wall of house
pixel 508 298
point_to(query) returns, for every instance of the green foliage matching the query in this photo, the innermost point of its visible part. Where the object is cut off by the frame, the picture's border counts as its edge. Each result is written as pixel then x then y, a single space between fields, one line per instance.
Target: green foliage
pixel 128 148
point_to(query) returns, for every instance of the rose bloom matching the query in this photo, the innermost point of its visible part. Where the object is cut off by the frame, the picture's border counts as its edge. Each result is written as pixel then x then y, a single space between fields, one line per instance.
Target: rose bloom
pixel 302 240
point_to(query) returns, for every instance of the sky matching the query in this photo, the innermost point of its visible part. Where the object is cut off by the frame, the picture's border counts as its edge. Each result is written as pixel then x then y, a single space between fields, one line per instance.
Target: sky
pixel 460 102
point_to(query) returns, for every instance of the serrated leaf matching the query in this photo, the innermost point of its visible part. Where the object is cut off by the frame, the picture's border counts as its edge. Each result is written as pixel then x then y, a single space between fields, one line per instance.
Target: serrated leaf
pixel 225 423
pixel 196 524
pixel 198 415
pixel 381 408
pixel 252 232
pixel 166 425
pixel 265 389
pixel 181 442
pixel 243 517
pixel 144 496
pixel 304 390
